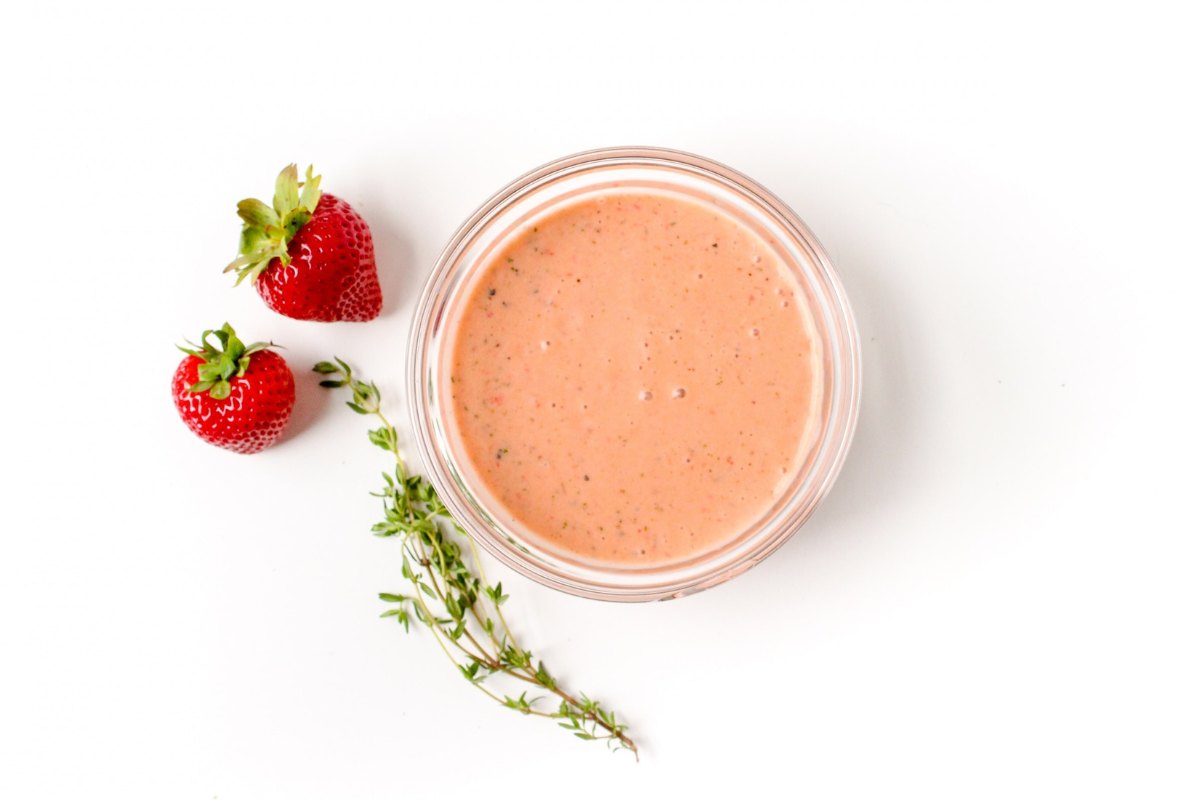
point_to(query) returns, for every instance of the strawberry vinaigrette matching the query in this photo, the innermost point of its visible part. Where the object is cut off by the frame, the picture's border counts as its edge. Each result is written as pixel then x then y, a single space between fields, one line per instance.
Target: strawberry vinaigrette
pixel 635 377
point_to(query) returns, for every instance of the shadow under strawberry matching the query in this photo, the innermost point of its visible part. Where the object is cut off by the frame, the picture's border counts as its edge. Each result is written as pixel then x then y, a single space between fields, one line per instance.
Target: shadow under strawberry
pixel 311 404
pixel 401 285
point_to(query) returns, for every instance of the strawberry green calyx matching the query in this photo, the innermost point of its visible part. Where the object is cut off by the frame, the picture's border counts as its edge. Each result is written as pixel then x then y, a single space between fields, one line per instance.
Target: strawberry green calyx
pixel 230 360
pixel 267 229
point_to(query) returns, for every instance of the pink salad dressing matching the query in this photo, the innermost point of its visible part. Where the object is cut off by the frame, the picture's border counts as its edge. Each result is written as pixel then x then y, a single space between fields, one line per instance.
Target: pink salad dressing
pixel 634 378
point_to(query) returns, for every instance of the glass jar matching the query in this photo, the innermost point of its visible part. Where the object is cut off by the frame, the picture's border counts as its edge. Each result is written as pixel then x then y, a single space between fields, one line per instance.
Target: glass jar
pixel 568 180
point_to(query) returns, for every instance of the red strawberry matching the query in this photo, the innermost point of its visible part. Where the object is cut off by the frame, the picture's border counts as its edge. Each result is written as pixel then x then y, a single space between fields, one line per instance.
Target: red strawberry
pixel 235 397
pixel 309 255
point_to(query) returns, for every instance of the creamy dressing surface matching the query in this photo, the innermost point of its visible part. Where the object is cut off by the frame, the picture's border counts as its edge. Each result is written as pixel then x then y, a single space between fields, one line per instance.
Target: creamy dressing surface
pixel 634 378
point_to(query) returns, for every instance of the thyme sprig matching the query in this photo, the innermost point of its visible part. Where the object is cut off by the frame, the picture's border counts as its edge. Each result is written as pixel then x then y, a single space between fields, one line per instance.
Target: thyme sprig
pixel 455 602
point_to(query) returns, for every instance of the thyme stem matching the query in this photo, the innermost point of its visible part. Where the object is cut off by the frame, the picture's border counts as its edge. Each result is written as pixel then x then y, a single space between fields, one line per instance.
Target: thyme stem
pixel 447 594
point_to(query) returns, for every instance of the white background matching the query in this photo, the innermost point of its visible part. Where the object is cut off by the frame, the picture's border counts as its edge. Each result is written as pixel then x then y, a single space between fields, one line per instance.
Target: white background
pixel 998 599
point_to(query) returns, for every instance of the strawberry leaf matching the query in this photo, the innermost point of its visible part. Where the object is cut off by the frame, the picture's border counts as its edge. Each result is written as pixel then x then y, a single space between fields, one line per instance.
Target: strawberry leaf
pixel 256 212
pixel 287 190
pixel 312 190
pixel 259 346
pixel 208 372
pixel 254 239
pixel 238 263
pixel 253 270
